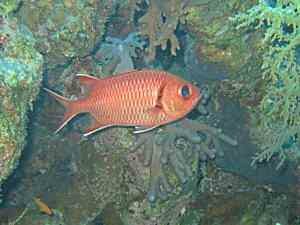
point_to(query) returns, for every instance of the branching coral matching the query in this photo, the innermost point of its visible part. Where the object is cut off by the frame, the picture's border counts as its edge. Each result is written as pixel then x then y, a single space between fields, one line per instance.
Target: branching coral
pixel 279 110
pixel 8 6
pixel 169 148
pixel 160 23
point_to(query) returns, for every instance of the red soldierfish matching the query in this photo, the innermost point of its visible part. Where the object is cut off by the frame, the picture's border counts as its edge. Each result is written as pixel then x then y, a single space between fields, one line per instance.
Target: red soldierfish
pixel 146 99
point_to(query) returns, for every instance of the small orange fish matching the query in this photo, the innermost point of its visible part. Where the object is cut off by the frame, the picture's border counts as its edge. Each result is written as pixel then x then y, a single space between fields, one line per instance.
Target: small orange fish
pixel 43 207
pixel 145 99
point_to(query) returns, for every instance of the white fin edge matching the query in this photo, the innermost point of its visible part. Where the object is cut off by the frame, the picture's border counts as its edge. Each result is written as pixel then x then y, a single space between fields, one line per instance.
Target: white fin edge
pixel 86 75
pixel 139 131
pixel 98 129
pixel 55 94
pixel 64 124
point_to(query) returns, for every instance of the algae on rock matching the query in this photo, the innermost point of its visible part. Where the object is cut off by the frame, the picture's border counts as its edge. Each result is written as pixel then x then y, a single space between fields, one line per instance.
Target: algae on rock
pixel 218 42
pixel 20 78
pixel 8 6
pixel 66 29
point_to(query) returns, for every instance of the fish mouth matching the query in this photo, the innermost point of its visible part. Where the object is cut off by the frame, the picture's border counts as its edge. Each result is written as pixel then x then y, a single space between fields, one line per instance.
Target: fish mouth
pixel 196 102
pixel 198 98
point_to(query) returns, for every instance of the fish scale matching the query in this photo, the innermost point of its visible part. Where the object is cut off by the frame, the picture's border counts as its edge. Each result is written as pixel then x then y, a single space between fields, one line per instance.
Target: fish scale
pixel 145 98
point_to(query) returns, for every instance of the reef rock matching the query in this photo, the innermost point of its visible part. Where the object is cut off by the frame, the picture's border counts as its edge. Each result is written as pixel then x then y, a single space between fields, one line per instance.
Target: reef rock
pixel 20 78
pixel 66 29
pixel 218 41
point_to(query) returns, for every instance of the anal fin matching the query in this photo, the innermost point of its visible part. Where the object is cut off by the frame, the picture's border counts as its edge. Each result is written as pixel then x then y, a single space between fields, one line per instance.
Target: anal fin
pixel 94 127
pixel 139 130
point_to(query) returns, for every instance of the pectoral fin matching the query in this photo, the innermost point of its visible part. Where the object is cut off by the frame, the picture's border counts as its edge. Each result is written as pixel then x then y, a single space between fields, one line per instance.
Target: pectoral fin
pixel 155 111
pixel 158 107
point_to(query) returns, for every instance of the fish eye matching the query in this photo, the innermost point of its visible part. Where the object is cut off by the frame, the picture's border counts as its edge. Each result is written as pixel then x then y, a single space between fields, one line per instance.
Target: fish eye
pixel 185 91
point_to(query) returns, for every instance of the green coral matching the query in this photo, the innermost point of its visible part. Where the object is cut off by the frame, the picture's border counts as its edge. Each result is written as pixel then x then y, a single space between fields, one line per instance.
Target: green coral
pixel 20 78
pixel 279 109
pixel 217 40
pixel 8 6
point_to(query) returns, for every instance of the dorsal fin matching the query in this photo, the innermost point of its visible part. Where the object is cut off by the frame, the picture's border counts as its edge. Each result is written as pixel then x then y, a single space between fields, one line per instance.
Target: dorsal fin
pixel 125 72
pixel 87 81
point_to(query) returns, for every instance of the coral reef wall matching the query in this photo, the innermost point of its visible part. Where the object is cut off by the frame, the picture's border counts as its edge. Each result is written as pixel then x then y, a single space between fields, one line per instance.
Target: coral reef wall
pixel 35 38
pixel 20 79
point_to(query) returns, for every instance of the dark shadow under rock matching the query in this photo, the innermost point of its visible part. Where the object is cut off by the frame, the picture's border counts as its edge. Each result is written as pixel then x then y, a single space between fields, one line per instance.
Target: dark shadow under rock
pixel 234 121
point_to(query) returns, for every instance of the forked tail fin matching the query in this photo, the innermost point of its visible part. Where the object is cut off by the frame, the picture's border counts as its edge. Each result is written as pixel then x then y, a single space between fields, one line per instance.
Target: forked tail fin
pixel 70 107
